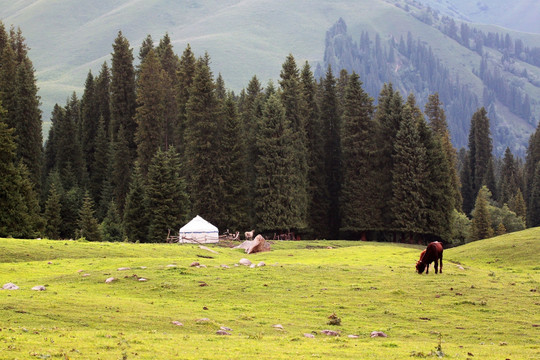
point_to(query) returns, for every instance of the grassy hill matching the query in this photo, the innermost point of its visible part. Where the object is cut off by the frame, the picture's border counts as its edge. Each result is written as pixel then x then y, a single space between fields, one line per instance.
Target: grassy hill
pixel 484 305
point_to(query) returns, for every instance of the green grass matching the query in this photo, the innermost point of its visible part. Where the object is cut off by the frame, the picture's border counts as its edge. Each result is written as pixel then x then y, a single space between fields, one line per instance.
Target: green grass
pixel 488 308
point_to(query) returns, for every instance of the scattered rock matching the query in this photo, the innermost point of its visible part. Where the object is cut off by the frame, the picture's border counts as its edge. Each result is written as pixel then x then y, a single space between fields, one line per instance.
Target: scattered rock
pixel 110 280
pixel 330 332
pixel 142 267
pixel 311 336
pixel 503 343
pixel 222 332
pixel 460 267
pixel 202 266
pixel 278 326
pixel 225 266
pixel 177 323
pixel 123 269
pixel 80 271
pixel 171 266
pixel 252 266
pixel 208 249
pixel 142 279
pixel 437 296
pixel 39 288
pixel 224 328
pixel 195 263
pixel 202 320
pixel 353 336
pixel 236 265
pixel 49 263
pixel 85 275
pixel 262 263
pixel 378 334
pixel 245 262
pixel 10 286
pixel 329 247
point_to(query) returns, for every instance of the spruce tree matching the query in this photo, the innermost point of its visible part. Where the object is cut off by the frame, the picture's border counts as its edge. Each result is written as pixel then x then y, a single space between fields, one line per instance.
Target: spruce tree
pixel 53 214
pixel 481 223
pixel 100 174
pixel 480 148
pixel 150 111
pixel 234 203
pixel 437 121
pixel 274 186
pixel 71 201
pixel 88 225
pixel 408 175
pixel 531 163
pixel 121 170
pixel 186 73
pixel 123 98
pixel 90 121
pixel 166 195
pixel 332 148
pixel 317 188
pixel 111 227
pixel 27 120
pixel 103 97
pixel 135 212
pixel 509 183
pixel 517 205
pixel 295 110
pixel 388 117
pixel 358 195
pixel 8 83
pixel 533 210
pixel 203 129
pixel 467 190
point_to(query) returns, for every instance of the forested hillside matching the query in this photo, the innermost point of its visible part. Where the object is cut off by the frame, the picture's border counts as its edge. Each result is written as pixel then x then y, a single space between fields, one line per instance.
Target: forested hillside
pixel 503 75
pixel 148 146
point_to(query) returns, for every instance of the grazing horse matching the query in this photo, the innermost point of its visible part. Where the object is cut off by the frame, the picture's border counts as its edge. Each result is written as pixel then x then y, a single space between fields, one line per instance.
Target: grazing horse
pixel 433 252
pixel 249 234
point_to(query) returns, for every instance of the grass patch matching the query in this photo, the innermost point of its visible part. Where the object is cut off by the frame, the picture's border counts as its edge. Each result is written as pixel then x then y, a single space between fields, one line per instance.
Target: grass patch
pixel 367 286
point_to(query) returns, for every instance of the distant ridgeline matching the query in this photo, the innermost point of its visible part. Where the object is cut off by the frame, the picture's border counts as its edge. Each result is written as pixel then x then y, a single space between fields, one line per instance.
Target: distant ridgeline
pixel 508 72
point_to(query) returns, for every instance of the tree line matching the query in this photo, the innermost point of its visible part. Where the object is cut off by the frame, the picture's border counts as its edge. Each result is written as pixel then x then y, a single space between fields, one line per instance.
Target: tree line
pixel 148 146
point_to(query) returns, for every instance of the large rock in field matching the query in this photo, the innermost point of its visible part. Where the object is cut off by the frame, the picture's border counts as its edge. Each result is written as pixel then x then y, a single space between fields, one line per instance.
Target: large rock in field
pixel 10 286
pixel 39 288
pixel 258 244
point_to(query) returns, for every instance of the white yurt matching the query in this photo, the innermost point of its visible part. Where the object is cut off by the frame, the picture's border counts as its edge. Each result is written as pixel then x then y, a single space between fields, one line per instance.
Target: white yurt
pixel 198 231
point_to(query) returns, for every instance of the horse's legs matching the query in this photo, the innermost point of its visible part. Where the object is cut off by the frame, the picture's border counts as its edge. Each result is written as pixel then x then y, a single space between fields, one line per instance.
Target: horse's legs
pixel 436 266
pixel 441 264
pixel 427 269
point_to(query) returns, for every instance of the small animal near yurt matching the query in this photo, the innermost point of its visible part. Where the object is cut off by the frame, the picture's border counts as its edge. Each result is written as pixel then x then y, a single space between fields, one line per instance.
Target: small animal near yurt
pixel 433 253
pixel 198 231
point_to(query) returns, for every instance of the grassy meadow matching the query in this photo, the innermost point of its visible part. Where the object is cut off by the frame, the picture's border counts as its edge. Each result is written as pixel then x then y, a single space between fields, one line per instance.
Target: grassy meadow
pixel 485 304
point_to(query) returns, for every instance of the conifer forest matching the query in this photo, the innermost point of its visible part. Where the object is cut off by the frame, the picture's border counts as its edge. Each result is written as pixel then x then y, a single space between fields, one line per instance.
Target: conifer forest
pixel 157 138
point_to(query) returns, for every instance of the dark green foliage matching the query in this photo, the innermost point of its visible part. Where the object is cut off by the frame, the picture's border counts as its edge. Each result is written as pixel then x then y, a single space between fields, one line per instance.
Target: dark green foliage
pixel 89 124
pixel 103 97
pixel 507 218
pixel 517 205
pixel 437 120
pixel 480 148
pixel 167 200
pixel 8 83
pixel 123 99
pixel 481 222
pixel 202 135
pixel 100 174
pixel 52 214
pixel 533 210
pixel 71 201
pixel 121 170
pixel 388 116
pixel 186 74
pixel 88 225
pixel 509 183
pixel 332 148
pixel 467 191
pixel 317 189
pixel 291 96
pixel 489 179
pixel 150 111
pixel 359 211
pixel 111 227
pixel 27 118
pixel 146 46
pixel 234 203
pixel 531 166
pixel 274 186
pixel 408 175
pixel 135 211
